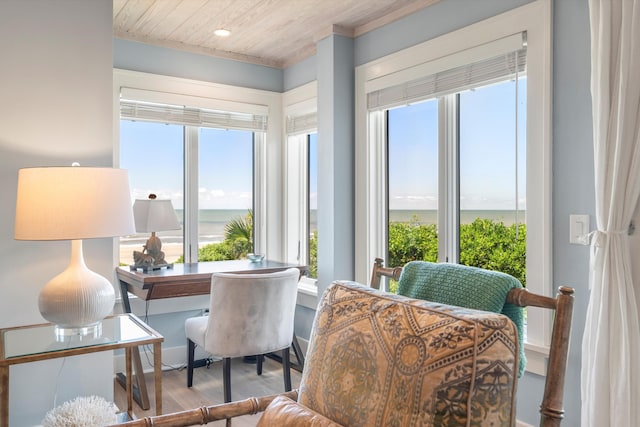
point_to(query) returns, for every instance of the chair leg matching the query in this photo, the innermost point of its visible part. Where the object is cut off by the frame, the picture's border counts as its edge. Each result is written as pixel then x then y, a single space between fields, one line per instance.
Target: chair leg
pixel 191 350
pixel 259 360
pixel 286 369
pixel 226 378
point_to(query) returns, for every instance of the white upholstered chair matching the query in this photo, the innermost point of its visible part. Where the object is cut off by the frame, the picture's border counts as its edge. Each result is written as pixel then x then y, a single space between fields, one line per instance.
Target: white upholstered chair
pixel 249 314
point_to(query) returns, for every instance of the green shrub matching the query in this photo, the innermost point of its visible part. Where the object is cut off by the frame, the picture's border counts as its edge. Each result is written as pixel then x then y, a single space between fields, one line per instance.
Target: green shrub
pixel 220 251
pixel 492 245
pixel 313 255
pixel 484 243
pixel 412 241
pixel 237 243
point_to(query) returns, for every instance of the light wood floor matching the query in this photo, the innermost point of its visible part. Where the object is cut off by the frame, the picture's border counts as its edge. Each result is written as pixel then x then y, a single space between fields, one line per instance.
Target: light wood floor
pixel 207 388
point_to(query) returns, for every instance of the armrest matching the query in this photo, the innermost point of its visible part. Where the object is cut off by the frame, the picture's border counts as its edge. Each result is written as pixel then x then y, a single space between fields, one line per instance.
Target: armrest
pixel 207 414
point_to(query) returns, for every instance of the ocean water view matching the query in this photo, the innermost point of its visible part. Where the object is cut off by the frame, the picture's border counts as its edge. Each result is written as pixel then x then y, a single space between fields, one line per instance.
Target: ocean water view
pixel 211 225
pixel 212 222
pixel 508 217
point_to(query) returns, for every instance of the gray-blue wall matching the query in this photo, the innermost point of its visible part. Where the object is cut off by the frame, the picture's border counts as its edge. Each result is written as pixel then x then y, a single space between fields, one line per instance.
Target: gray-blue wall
pixel 130 55
pixel 55 108
pixel 573 175
pixel 572 141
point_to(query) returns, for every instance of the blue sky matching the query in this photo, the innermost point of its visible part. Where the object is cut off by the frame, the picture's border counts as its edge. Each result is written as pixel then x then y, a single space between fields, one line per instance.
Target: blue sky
pixel 487 151
pixel 153 154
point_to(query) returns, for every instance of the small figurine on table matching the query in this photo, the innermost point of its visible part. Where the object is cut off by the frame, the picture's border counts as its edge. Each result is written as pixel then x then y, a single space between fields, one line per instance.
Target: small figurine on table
pixel 153 215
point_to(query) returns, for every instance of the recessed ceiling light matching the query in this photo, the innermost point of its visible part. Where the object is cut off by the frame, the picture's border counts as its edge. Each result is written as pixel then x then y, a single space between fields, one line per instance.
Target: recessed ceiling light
pixel 221 32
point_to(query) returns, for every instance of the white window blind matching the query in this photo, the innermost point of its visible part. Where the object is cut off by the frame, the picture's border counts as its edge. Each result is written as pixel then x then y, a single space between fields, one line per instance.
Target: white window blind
pixel 451 80
pixel 191 116
pixel 304 123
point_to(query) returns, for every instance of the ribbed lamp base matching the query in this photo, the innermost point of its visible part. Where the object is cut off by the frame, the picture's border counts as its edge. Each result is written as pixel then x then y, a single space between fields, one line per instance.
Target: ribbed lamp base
pixel 77 298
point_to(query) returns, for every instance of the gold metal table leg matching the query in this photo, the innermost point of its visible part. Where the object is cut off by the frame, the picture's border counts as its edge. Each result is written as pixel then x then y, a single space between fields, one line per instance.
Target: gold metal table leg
pixel 128 386
pixel 157 369
pixel 4 396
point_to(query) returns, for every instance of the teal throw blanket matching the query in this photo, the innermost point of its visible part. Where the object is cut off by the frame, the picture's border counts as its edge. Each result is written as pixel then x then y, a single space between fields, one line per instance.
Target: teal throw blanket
pixel 462 286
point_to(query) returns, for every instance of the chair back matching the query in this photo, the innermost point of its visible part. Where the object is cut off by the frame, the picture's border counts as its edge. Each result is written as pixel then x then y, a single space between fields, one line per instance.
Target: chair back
pixel 377 359
pixel 251 313
pixel 551 409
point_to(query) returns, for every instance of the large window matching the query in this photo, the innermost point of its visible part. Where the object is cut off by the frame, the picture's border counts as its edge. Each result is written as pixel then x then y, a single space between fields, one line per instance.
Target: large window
pixel 490 167
pixel 225 191
pixel 453 155
pixel 302 209
pixel 204 162
pixel 153 154
pixel 412 175
pixel 301 179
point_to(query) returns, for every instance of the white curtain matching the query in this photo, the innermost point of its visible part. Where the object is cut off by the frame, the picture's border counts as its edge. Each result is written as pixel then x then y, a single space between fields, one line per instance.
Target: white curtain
pixel 611 342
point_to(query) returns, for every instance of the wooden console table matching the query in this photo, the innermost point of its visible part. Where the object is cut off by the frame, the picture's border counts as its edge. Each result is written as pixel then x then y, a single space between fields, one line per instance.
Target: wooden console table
pixel 180 281
pixel 33 343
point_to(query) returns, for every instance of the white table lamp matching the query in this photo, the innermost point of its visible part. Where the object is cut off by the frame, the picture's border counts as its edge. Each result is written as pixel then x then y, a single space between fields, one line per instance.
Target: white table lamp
pixel 152 215
pixel 74 203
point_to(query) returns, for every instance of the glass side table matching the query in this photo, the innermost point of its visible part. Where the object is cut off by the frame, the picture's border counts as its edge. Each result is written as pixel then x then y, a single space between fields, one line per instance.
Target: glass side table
pixel 25 344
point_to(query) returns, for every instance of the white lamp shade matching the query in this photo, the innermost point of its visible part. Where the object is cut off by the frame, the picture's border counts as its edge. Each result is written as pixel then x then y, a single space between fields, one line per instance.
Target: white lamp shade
pixel 153 215
pixel 69 203
pixel 74 203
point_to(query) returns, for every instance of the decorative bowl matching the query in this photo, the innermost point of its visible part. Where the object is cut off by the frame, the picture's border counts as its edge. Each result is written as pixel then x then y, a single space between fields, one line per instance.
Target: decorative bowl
pixel 255 257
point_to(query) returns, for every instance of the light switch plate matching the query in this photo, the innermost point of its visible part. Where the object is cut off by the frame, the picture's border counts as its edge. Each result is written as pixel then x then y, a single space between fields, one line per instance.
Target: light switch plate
pixel 579 229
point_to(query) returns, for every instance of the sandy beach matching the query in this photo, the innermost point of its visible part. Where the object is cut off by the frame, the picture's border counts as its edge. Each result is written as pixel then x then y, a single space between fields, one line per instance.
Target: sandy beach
pixel 172 251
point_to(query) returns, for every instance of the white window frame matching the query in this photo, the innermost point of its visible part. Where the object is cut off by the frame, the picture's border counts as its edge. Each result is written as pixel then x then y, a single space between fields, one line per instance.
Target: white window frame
pixel 268 166
pixel 298 102
pixel 534 19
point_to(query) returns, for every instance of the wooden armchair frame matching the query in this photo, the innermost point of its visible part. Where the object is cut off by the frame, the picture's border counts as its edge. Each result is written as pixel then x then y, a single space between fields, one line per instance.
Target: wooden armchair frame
pixel 207 414
pixel 551 409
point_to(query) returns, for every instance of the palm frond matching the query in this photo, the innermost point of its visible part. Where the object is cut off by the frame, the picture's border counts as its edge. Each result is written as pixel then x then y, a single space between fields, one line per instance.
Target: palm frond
pixel 240 228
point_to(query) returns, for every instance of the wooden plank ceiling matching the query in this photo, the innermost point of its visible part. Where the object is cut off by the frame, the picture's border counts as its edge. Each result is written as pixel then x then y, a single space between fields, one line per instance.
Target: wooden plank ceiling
pixel 275 33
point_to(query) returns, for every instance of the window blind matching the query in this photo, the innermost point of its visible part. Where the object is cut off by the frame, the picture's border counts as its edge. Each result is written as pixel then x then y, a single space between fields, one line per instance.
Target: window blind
pixel 456 79
pixel 191 116
pixel 304 123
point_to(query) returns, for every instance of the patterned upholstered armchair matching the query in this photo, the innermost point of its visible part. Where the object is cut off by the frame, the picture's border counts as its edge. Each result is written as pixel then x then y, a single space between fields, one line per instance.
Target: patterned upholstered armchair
pixel 426 280
pixel 377 359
